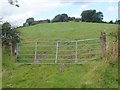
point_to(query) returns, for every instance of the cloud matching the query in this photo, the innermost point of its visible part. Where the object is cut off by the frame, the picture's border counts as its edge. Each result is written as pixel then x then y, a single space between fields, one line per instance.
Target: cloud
pixel 85 1
pixel 33 8
pixel 80 9
pixel 17 19
pixel 111 1
pixel 112 9
pixel 27 9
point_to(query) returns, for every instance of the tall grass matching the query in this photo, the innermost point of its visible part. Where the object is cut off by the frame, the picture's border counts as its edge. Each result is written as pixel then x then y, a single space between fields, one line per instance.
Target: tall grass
pixel 112 45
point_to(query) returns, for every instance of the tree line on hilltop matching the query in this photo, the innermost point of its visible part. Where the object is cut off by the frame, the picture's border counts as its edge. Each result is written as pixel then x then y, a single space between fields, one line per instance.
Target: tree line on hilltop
pixel 58 18
pixel 86 16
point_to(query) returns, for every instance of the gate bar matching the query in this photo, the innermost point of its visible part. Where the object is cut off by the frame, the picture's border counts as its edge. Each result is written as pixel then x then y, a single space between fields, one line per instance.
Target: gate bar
pixel 56 52
pixel 35 57
pixel 76 53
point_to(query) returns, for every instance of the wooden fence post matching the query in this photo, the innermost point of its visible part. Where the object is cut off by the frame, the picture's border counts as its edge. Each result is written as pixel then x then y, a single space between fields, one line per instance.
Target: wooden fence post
pixel 103 43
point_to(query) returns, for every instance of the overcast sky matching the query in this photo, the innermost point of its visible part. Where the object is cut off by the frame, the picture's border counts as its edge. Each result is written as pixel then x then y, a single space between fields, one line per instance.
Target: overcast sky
pixel 47 9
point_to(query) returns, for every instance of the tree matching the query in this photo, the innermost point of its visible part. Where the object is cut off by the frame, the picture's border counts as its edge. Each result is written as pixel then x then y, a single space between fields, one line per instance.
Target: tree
pixel 111 22
pixel 71 18
pixel 6 34
pixel 61 18
pixel 10 37
pixel 117 22
pixel 29 21
pixel 77 19
pixel 91 16
pixel 99 16
pixel 48 20
pixel 64 17
pixel 88 15
pixel 13 2
pixel 57 18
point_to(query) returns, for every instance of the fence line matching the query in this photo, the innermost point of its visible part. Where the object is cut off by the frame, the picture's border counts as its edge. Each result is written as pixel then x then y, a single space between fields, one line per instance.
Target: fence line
pixel 60 52
pixel 61 40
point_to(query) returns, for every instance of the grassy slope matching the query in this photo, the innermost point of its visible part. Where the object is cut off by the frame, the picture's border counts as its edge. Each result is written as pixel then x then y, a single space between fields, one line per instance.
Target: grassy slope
pixel 64 31
pixel 95 74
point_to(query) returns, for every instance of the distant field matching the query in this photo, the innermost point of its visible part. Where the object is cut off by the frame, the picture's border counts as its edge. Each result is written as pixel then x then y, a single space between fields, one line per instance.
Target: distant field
pixel 100 73
pixel 65 31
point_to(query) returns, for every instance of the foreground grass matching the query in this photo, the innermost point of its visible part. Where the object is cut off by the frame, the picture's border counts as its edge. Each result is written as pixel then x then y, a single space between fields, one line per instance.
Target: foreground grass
pixel 91 74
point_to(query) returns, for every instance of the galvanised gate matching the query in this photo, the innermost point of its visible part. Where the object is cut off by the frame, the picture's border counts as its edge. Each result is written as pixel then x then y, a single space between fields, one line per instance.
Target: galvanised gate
pixel 58 52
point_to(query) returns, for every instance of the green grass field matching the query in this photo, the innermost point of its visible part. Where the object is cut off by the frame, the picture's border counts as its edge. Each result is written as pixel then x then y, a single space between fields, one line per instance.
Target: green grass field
pixel 101 73
pixel 64 31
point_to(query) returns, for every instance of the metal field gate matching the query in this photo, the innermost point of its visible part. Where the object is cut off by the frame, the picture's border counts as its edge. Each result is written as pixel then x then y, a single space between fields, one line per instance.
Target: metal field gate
pixel 51 52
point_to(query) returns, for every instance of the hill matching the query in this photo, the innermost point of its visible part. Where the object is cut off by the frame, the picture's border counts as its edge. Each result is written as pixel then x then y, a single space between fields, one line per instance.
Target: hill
pixel 65 31
pixel 100 73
